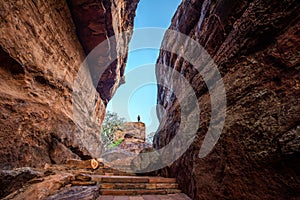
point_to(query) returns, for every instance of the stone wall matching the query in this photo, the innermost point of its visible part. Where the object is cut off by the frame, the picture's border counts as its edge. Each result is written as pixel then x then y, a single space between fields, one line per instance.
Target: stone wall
pixel 41 54
pixel 255 45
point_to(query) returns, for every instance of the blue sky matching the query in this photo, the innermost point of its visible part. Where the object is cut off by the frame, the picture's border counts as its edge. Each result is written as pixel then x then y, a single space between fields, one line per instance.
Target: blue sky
pixel 138 95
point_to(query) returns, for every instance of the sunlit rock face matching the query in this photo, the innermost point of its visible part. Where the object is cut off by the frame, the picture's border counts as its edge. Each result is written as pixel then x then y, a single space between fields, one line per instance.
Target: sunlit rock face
pixel 134 129
pixel 41 53
pixel 255 45
pixel 131 136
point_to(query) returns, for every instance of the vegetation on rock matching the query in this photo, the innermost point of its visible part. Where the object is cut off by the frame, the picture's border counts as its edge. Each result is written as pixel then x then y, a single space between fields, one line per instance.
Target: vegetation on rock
pixel 116 143
pixel 111 124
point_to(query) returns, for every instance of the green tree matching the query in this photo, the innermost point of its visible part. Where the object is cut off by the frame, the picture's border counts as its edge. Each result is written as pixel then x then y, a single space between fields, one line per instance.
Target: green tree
pixel 110 125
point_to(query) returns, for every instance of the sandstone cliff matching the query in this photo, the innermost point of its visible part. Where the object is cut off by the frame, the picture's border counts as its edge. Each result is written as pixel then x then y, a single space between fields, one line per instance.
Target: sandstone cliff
pixel 255 45
pixel 132 142
pixel 41 53
pixel 98 21
pixel 134 129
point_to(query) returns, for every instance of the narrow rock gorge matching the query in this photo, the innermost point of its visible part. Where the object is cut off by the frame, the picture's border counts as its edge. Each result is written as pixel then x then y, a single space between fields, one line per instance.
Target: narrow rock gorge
pixel 53 101
pixel 43 44
pixel 255 45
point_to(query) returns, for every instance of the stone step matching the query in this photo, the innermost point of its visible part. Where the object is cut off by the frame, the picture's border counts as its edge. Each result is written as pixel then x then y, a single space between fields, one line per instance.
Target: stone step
pixel 149 186
pixel 134 192
pixel 131 179
pixel 178 196
pixel 83 183
pixel 113 173
pixel 157 179
pixel 119 179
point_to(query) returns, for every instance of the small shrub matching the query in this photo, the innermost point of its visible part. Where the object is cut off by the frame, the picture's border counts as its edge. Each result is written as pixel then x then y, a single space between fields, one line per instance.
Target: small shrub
pixel 116 143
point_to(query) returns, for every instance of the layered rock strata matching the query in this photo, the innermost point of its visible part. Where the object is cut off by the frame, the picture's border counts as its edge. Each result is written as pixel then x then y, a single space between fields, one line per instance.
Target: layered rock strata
pixel 133 129
pixel 41 55
pixel 132 142
pixel 255 45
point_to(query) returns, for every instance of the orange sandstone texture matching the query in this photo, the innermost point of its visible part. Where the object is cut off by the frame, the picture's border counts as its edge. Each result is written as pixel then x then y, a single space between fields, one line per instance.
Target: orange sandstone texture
pixel 41 52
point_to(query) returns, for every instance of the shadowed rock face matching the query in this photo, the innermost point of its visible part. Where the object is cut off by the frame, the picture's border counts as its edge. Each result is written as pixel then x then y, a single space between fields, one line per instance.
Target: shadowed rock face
pixel 12 180
pixel 99 21
pixel 41 53
pixel 255 45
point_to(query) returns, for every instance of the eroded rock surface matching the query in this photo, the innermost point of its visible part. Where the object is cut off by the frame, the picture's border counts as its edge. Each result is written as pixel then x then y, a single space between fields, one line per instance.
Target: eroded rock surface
pixel 41 54
pixel 132 142
pixel 255 45
pixel 11 180
pixel 80 181
pixel 109 23
pixel 131 129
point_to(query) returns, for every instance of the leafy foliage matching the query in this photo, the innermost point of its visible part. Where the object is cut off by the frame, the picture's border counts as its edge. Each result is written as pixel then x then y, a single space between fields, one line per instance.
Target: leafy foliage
pixel 116 143
pixel 110 125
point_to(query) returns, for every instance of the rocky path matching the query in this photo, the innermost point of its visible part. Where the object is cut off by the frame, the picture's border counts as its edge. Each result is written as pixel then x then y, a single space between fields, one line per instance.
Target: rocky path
pixel 88 180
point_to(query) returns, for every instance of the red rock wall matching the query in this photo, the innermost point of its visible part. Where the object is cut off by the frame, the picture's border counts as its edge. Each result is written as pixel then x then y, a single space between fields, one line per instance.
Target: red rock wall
pixel 255 45
pixel 40 57
pixel 98 21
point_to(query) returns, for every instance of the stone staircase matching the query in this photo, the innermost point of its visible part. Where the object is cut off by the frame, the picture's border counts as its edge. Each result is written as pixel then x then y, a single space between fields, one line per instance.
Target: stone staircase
pixel 88 180
pixel 117 183
pixel 128 185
